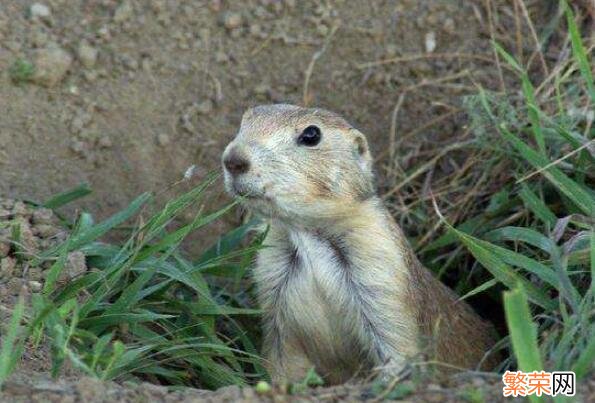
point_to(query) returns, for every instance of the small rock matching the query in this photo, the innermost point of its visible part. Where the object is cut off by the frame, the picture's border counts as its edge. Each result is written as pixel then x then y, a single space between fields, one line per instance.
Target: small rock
pixel 35 274
pixel 51 65
pixel 430 41
pixel 20 210
pixel 391 50
pixel 90 75
pixel 90 389
pixel 28 241
pixel 80 121
pixel 146 64
pixel 35 286
pixel 204 107
pixel 4 248
pixel 236 33
pixel 449 26
pixel 7 266
pixel 123 12
pixel 39 11
pixel 262 89
pixel 14 286
pixel 78 147
pixel 151 392
pixel 129 62
pixel 87 54
pixel 221 57
pixel 105 142
pixel 255 30
pixel 75 266
pixel 232 20
pixel 322 30
pixel 45 230
pixel 163 140
pixel 104 33
pixel 42 216
pixel 39 38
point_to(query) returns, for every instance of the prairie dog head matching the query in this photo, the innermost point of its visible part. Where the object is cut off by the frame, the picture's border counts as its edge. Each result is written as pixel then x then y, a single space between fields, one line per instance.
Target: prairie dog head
pixel 297 163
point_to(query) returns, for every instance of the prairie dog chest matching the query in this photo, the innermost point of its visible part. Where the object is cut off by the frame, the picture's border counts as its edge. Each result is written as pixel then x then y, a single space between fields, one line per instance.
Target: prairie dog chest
pixel 302 289
pixel 300 274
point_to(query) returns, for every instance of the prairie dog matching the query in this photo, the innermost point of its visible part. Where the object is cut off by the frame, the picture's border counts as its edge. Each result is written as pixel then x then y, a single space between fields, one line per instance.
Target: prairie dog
pixel 340 287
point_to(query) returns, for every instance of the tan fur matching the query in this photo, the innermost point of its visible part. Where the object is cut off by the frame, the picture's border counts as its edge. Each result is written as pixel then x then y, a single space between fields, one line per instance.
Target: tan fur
pixel 340 287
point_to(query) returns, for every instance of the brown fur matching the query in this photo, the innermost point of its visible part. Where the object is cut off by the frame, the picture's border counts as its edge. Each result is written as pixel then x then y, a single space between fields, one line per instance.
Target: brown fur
pixel 341 289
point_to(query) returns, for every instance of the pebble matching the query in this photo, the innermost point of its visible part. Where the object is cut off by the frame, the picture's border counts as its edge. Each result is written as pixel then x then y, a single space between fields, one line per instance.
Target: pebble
pixel 204 107
pixel 39 38
pixel 262 89
pixel 255 30
pixel 45 230
pixel 7 266
pixel 123 12
pixel 221 57
pixel 4 249
pixel 20 209
pixel 39 11
pixel 42 216
pixel 232 20
pixel 51 65
pixel 35 273
pixel 77 146
pixel 14 286
pixel 28 240
pixel 75 266
pixel 105 142
pixel 163 139
pixel 391 50
pixel 87 54
pixel 35 286
pixel 104 33
pixel 430 41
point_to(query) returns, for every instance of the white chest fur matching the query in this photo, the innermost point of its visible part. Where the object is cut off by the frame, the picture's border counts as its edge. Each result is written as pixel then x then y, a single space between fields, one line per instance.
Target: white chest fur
pixel 339 308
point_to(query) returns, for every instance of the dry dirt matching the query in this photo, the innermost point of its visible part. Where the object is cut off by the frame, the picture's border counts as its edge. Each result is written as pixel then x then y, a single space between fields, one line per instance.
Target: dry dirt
pixel 128 94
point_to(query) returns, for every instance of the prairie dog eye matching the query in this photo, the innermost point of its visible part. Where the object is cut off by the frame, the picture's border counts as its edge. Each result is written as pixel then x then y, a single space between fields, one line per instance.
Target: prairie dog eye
pixel 310 136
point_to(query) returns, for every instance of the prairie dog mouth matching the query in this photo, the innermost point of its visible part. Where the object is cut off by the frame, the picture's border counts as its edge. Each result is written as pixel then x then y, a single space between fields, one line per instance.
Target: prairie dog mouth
pixel 238 190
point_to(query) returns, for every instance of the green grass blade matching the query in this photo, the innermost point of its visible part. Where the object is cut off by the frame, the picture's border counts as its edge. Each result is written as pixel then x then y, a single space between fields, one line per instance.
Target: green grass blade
pixel 586 361
pixel 508 57
pixel 592 253
pixel 479 289
pixel 578 51
pixel 523 332
pixel 69 196
pixel 11 349
pixel 522 234
pixel 537 206
pixel 579 196
pixel 545 273
pixel 119 318
pixel 481 250
pixel 103 227
pixel 529 93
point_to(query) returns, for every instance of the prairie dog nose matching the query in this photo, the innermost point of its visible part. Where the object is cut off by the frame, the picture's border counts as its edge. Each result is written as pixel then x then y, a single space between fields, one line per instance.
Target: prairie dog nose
pixel 235 162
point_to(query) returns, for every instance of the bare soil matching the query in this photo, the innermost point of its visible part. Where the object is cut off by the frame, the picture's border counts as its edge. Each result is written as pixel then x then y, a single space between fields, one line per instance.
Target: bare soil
pixel 152 87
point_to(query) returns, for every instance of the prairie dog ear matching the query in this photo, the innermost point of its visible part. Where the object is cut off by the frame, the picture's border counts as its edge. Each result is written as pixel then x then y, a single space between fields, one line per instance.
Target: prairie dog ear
pixel 249 113
pixel 361 150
